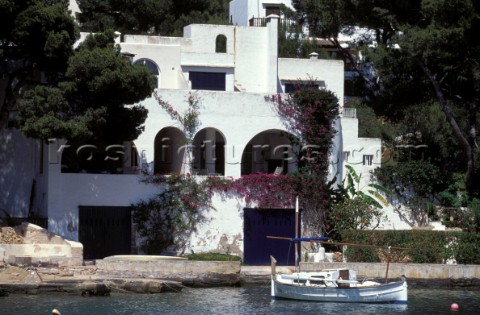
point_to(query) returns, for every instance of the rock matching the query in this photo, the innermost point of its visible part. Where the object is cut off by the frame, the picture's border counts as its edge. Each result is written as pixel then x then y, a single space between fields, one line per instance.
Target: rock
pixel 32 278
pixel 8 235
pixel 337 257
pixel 144 286
pixel 94 289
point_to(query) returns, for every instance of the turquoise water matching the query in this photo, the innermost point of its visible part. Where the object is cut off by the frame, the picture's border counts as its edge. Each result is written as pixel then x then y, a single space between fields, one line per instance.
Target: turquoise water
pixel 245 300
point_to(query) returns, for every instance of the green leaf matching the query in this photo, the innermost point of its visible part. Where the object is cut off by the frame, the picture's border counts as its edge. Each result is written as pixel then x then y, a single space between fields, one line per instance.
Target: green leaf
pixel 379 197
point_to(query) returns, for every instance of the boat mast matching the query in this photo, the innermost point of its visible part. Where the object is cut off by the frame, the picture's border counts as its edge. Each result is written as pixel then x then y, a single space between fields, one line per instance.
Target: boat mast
pixel 297 263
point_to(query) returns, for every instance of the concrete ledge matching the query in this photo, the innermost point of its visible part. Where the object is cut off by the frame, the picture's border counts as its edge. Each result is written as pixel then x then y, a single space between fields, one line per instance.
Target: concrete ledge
pixel 141 258
pixel 189 273
pixel 413 271
pixel 41 247
pixel 418 275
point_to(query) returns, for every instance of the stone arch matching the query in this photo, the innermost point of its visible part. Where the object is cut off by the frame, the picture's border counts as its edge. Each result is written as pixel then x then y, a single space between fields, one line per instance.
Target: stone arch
pixel 169 151
pixel 221 44
pixel 209 152
pixel 270 151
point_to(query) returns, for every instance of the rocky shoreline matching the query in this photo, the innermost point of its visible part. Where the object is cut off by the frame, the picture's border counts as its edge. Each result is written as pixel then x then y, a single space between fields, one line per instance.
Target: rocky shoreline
pixel 91 281
pixel 17 280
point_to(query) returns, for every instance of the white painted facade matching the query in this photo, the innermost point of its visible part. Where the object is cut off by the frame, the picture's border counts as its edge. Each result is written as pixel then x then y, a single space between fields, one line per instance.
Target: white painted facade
pixel 236 118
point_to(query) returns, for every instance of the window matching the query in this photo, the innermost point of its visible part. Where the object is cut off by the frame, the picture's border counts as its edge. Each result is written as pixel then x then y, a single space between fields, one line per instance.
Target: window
pixel 368 159
pixel 293 87
pixel 213 81
pixel 149 64
pixel 271 9
pixel 221 44
pixel 346 155
pixel 353 87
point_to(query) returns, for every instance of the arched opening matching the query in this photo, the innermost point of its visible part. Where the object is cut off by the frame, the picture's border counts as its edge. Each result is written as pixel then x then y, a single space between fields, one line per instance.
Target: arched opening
pixel 221 44
pixel 271 152
pixel 152 66
pixel 169 153
pixel 209 152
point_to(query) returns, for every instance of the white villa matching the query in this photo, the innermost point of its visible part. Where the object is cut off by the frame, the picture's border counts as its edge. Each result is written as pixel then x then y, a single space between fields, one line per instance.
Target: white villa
pixel 231 71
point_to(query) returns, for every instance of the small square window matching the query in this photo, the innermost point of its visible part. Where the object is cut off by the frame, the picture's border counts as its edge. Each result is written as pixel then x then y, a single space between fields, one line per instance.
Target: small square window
pixel 368 159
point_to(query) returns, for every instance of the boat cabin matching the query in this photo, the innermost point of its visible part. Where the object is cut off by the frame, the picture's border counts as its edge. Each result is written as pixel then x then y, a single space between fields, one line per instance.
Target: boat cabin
pixel 342 278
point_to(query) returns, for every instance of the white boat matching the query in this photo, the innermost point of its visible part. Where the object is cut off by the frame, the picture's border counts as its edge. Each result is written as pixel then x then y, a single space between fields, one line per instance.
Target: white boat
pixel 335 285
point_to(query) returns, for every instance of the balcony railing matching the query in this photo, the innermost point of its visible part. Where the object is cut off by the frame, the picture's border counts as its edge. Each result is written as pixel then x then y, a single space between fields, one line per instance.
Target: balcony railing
pixel 257 22
pixel 349 113
pixel 287 25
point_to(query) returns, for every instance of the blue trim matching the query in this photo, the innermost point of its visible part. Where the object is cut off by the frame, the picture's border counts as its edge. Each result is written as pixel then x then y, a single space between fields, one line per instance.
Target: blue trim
pixel 308 239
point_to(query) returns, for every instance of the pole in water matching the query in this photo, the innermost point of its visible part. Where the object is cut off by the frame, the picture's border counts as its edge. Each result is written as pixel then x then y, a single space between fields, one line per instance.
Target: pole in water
pixel 388 264
pixel 297 264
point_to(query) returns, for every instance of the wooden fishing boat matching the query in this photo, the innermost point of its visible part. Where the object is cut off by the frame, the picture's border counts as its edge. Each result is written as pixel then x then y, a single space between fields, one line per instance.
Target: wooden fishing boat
pixel 335 285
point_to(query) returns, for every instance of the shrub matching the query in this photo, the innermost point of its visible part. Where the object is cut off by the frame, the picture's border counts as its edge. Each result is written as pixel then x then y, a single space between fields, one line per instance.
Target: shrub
pixel 212 257
pixel 426 246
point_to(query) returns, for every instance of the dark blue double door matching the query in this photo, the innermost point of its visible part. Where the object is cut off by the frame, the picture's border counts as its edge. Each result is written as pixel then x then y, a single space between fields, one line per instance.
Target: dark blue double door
pixel 260 223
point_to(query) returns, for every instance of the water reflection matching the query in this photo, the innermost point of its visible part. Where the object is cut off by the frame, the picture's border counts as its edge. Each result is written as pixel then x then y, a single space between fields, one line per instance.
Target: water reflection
pixel 246 300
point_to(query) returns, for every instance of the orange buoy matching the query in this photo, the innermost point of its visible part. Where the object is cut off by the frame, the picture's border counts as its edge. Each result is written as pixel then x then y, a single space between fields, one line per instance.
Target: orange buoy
pixel 454 307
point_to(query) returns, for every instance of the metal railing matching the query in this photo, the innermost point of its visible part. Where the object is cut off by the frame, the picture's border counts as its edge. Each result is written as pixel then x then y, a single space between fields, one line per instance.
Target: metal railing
pixel 257 22
pixel 288 25
pixel 349 113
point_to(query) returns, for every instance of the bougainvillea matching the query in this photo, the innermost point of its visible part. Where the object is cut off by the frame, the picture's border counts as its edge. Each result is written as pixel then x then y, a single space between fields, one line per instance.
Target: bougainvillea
pixel 258 190
pixel 189 119
pixel 309 113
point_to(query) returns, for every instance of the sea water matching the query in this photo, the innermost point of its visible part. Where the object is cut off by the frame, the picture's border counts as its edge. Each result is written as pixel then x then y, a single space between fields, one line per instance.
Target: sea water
pixel 244 300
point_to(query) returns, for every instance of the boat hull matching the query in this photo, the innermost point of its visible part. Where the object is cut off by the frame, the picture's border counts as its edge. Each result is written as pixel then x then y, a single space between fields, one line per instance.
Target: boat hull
pixel 394 292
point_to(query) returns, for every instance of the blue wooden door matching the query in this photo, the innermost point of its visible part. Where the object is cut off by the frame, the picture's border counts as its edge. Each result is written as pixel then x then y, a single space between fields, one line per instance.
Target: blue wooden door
pixel 260 223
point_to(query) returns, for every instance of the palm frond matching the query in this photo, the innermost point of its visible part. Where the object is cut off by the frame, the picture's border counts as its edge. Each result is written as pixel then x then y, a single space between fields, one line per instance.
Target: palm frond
pixel 369 199
pixel 385 190
pixel 379 197
pixel 353 174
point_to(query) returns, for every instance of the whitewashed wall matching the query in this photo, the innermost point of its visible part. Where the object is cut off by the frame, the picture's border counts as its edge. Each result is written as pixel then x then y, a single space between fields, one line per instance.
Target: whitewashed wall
pixel 238 116
pixel 222 230
pixel 328 71
pixel 69 191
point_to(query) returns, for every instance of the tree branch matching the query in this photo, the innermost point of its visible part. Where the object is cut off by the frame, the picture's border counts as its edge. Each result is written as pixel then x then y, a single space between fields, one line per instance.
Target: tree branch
pixel 371 85
pixel 464 141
